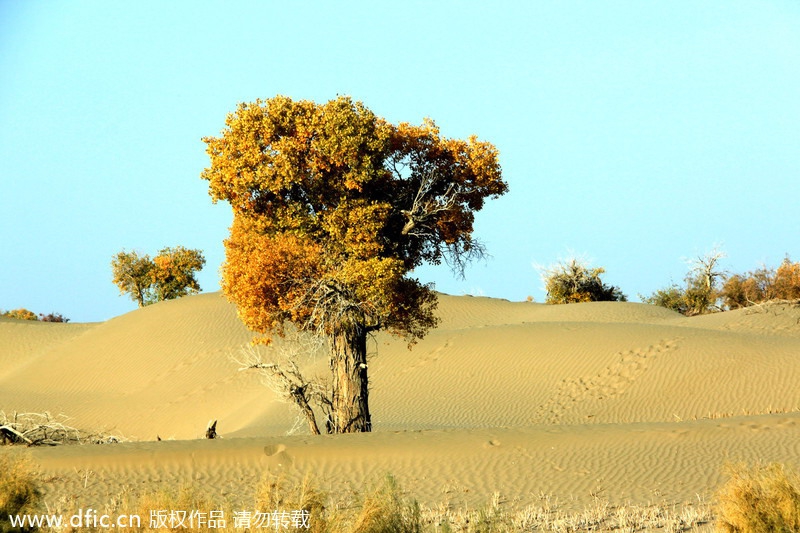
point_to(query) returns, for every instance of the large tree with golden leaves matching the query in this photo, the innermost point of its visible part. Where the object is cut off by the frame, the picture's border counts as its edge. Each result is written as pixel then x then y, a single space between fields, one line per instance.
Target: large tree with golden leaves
pixel 333 209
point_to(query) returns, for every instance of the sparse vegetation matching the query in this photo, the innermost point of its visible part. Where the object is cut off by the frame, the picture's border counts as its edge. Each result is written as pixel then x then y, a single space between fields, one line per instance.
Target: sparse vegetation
pixel 763 285
pixel 709 289
pixel 25 314
pixel 759 499
pixel 385 508
pixel 574 281
pixel 53 317
pixel 701 292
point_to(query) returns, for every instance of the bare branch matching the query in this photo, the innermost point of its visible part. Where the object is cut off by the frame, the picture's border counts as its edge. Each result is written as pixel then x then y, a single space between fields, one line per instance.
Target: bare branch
pixel 281 373
pixel 426 205
pixel 36 429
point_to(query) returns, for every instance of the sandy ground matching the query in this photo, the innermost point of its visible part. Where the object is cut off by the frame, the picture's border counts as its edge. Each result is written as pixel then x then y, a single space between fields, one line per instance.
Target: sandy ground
pixel 627 401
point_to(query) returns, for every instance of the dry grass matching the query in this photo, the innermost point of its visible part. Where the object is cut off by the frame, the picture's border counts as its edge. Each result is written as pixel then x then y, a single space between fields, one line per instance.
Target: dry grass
pixel 761 499
pixel 387 510
pixel 276 493
pixel 546 515
pixel 19 487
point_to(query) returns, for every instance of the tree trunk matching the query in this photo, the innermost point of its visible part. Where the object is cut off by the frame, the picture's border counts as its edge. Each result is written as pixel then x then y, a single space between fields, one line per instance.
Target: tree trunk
pixel 350 396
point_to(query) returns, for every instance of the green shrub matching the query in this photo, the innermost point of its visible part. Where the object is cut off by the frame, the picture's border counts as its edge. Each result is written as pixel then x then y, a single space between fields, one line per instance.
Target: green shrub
pixel 673 297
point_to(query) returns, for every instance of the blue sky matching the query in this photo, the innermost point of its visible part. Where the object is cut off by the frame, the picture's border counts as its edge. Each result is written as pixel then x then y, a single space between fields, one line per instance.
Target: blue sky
pixel 636 134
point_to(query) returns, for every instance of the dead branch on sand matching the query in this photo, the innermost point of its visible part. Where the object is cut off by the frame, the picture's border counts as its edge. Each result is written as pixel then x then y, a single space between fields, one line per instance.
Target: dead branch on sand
pixel 43 429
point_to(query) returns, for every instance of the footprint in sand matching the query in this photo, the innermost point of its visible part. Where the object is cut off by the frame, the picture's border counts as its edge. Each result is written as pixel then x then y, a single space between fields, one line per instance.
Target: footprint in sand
pixel 610 383
pixel 431 357
pixel 277 455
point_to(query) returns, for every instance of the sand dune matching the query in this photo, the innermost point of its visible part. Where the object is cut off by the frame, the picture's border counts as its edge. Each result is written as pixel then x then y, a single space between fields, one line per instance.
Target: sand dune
pixel 632 400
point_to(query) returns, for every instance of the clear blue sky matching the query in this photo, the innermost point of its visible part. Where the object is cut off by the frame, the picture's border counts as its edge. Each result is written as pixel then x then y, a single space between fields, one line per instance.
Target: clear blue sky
pixel 634 133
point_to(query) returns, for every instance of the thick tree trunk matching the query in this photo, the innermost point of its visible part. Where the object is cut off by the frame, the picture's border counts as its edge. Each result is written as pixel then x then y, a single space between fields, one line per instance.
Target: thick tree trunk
pixel 350 396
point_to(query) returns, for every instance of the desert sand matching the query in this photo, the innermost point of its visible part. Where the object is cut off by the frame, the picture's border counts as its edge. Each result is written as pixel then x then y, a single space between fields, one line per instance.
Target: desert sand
pixel 628 401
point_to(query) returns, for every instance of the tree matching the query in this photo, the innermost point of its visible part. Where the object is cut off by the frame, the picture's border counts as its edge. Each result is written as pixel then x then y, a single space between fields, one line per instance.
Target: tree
pixel 787 280
pixel 169 275
pixel 132 274
pixel 333 209
pixel 573 281
pixel 703 284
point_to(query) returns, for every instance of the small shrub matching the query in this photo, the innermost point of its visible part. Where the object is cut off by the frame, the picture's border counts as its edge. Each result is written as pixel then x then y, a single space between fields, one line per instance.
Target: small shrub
pixel 701 294
pixel 573 281
pixel 275 493
pixel 21 314
pixel 386 511
pixel 673 297
pixel 53 317
pixel 19 488
pixel 761 499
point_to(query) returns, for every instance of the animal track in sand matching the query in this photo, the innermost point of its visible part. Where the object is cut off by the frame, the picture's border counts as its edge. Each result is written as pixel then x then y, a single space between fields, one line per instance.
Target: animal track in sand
pixel 610 383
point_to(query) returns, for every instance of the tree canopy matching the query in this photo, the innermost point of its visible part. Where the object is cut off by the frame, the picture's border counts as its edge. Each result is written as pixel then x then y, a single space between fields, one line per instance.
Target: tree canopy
pixel 333 209
pixel 168 275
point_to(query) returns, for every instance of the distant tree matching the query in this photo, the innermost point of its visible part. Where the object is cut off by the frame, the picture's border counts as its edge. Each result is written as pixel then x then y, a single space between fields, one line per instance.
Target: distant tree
pixel 703 283
pixel 53 317
pixel 21 314
pixel 333 210
pixel 169 275
pixel 762 285
pixel 573 281
pixel 133 275
pixel 787 280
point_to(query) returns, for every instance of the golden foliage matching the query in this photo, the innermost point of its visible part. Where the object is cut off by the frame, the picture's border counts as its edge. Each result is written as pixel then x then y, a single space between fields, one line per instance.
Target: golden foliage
pixel 763 285
pixel 333 208
pixel 21 314
pixel 168 275
pixel 573 281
